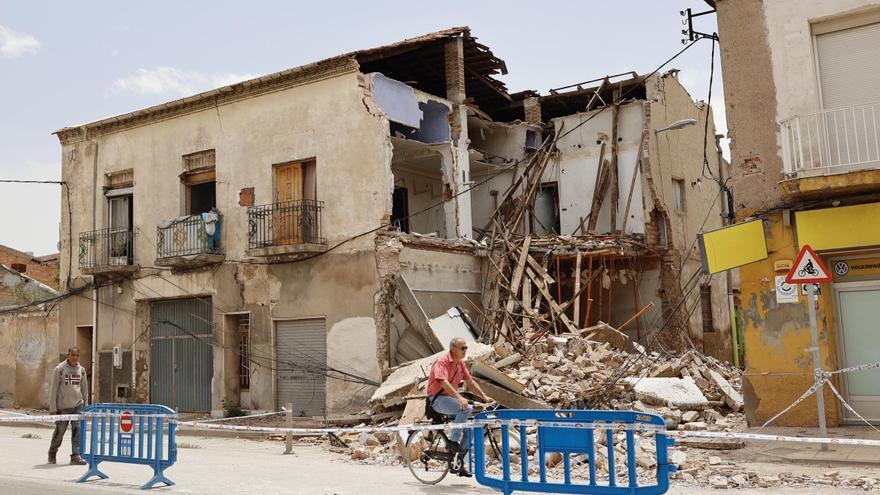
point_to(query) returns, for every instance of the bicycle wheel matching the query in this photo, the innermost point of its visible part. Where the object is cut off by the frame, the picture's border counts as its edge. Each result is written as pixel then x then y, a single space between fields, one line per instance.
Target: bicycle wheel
pixel 426 456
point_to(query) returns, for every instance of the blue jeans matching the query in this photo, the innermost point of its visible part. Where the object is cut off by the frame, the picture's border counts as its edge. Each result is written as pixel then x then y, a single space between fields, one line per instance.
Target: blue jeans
pixel 447 405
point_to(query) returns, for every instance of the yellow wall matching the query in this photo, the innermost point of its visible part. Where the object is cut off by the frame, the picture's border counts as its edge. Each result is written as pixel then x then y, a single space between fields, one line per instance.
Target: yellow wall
pixel 778 360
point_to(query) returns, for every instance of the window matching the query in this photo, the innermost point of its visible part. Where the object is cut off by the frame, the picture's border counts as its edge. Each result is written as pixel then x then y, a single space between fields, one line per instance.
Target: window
pixel 199 178
pixel 678 196
pixel 848 59
pixel 706 306
pixel 120 220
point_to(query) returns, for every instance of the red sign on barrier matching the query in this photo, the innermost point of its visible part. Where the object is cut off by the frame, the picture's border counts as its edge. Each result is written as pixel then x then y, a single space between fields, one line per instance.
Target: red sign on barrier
pixel 126 422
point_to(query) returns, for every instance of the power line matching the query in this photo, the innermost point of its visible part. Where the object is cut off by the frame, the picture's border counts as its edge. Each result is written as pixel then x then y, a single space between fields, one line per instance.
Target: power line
pixel 17 181
pixel 323 367
pixel 644 78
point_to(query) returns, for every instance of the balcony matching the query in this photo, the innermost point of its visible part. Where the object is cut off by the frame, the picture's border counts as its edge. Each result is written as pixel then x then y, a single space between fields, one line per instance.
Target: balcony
pixel 189 241
pixel 106 251
pixel 288 229
pixel 831 152
pixel 832 141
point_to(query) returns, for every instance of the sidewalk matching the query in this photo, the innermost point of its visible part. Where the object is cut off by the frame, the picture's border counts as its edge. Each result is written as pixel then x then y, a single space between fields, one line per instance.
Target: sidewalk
pixel 813 453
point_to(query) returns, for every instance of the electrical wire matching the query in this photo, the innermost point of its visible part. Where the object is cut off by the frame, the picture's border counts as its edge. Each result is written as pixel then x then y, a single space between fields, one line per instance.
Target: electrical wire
pixel 16 181
pixel 370 231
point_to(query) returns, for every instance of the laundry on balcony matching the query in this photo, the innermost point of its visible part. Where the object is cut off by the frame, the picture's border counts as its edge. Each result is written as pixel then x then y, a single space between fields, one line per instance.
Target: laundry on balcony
pixel 190 238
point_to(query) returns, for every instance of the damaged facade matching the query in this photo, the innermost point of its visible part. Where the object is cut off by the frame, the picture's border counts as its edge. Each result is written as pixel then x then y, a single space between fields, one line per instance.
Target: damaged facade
pixel 28 332
pixel 293 237
pixel 804 154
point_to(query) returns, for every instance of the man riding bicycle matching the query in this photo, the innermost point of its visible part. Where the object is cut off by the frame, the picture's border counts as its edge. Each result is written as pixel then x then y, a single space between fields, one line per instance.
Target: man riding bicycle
pixel 444 381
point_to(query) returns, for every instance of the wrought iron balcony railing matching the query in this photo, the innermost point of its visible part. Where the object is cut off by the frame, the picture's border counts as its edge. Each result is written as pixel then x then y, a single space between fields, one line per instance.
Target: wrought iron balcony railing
pixel 287 223
pixel 106 249
pixel 189 235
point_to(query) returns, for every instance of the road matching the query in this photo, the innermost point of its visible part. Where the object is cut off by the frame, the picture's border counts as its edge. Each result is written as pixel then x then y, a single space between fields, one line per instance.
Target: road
pixel 234 466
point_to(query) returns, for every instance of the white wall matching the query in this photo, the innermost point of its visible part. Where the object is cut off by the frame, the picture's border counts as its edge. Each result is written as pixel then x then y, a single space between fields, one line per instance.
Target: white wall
pixel 578 165
pixel 789 35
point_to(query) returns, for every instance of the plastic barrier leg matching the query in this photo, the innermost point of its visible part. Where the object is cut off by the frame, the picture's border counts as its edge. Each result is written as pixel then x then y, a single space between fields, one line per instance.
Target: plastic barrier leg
pixel 93 471
pixel 158 477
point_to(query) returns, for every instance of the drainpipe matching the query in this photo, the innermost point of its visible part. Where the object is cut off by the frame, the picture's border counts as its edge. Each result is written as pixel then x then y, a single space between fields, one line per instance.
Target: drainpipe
pixel 95 289
pixel 727 210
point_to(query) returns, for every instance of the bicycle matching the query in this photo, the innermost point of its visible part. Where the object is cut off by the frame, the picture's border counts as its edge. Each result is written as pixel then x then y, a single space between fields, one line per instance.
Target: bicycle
pixel 428 454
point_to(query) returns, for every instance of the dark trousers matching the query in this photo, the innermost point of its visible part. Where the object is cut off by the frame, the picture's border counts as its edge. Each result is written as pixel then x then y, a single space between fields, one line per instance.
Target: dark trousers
pixel 61 428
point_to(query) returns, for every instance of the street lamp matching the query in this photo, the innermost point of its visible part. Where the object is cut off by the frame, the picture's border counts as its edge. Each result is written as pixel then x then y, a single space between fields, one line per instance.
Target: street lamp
pixel 676 125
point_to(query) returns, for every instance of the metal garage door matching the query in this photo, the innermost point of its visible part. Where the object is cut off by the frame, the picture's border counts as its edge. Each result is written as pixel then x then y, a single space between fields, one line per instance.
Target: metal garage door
pixel 301 359
pixel 181 357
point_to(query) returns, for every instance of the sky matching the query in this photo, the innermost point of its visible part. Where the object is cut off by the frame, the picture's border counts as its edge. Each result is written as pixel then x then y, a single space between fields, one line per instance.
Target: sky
pixel 76 62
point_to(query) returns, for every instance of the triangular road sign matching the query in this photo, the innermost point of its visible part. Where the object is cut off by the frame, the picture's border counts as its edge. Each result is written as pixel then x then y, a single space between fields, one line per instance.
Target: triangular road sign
pixel 808 269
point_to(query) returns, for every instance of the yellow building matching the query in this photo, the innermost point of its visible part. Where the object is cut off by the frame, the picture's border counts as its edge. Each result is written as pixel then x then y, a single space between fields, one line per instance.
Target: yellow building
pixel 802 82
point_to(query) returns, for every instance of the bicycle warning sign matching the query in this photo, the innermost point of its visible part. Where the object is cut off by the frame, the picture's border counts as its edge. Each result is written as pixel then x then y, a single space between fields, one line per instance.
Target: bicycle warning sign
pixel 808 269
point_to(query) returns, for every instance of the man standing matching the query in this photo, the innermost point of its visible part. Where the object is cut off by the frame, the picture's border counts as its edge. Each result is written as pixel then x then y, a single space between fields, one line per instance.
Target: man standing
pixel 68 393
pixel 446 377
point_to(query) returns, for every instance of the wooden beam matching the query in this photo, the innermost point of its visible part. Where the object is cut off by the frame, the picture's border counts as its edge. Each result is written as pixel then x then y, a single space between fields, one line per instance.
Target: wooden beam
pixel 586 322
pixel 614 173
pixel 635 316
pixel 515 283
pixel 555 310
pixel 599 195
pixel 577 288
pixel 558 281
pixel 487 82
pixel 632 183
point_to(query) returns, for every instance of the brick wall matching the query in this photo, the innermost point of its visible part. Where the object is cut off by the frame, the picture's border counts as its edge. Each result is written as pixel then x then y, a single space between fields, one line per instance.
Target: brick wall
pixel 46 272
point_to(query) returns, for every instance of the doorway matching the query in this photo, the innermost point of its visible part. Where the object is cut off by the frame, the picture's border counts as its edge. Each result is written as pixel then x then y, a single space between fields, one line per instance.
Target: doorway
pixel 857 303
pixel 84 342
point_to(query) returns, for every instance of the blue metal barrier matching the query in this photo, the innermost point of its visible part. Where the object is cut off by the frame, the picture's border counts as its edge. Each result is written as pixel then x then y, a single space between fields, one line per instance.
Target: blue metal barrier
pixel 136 436
pixel 577 437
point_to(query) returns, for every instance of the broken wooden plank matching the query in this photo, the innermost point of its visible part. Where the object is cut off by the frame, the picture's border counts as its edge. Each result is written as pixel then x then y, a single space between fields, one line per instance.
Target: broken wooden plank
pixel 635 316
pixel 577 288
pixel 527 305
pixel 598 195
pixel 614 173
pixel 632 184
pixel 555 309
pixel 587 313
pixel 516 281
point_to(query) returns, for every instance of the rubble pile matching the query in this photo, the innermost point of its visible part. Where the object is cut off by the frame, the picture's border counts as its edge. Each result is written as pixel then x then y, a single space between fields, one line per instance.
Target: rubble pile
pixel 691 391
pixel 719 474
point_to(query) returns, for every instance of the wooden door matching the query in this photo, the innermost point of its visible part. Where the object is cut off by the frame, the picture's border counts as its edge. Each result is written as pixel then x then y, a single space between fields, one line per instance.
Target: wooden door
pixel 288 195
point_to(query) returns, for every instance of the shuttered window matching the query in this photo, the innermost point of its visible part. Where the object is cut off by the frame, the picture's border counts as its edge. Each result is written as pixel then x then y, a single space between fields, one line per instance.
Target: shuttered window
pixel 849 66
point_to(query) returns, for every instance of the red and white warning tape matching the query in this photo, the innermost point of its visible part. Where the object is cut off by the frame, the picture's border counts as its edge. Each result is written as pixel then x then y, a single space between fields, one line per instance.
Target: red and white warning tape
pixel 820 379
pixel 491 423
pixel 773 438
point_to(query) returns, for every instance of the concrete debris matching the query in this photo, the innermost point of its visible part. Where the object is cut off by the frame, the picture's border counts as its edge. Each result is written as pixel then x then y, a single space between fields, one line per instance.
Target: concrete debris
pixel 718 482
pixel 731 397
pixel 674 392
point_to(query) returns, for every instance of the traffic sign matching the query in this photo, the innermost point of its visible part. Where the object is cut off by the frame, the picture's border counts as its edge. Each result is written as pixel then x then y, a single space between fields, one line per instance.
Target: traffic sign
pixel 126 422
pixel 808 269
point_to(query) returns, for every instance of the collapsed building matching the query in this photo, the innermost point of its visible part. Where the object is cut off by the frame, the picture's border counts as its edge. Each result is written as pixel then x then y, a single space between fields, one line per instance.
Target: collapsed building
pixel 292 238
